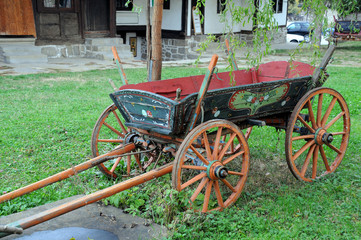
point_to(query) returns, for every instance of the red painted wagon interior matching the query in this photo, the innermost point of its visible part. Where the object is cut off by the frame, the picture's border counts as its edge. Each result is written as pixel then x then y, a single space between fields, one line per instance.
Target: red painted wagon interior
pixel 267 72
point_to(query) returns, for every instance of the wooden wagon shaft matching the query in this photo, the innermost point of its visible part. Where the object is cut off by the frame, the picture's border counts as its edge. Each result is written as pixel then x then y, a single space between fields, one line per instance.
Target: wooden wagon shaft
pixel 91 198
pixel 321 68
pixel 67 173
pixel 230 52
pixel 120 67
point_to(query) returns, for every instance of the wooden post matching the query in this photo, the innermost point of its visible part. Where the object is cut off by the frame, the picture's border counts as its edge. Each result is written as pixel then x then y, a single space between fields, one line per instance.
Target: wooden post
pixel 149 41
pixel 157 40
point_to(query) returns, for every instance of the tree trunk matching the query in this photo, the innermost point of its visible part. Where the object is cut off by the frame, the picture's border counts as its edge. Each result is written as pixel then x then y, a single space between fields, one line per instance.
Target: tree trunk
pixel 157 40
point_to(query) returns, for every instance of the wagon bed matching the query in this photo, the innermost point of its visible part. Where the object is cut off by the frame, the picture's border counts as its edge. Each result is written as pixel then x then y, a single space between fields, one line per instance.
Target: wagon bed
pixel 273 88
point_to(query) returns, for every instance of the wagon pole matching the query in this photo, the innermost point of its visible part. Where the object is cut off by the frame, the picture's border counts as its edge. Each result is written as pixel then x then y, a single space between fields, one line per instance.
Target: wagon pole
pixel 120 67
pixel 91 198
pixel 317 74
pixel 231 54
pixel 67 173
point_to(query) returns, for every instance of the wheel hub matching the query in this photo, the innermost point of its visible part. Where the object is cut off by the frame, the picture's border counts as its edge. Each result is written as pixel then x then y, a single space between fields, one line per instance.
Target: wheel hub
pixel 216 170
pixel 323 137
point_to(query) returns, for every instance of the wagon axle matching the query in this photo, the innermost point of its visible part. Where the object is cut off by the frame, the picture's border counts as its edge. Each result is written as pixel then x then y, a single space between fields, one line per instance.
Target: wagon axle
pixel 323 137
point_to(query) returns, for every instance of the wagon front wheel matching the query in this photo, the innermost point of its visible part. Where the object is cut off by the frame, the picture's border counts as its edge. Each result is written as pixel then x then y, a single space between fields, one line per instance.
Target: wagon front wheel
pixel 109 132
pixel 317 134
pixel 207 168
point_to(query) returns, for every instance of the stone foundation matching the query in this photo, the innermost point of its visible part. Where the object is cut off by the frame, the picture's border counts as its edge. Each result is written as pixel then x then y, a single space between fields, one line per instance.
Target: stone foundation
pixel 181 49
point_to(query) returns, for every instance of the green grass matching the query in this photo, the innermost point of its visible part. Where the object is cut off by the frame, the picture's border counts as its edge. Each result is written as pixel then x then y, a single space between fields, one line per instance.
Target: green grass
pixel 46 124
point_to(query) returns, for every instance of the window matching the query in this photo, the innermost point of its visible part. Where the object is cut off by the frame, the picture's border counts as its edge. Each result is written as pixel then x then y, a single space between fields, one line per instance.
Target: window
pixel 221 5
pixel 124 5
pixel 166 4
pixel 56 5
pixel 277 5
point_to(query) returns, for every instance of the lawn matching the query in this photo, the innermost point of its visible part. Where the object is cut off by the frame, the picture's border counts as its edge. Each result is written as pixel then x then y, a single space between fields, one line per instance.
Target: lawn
pixel 46 125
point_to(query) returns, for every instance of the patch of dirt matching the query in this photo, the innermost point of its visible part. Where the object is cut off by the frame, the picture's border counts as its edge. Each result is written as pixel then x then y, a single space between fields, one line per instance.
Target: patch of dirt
pixel 5 67
pixel 7 73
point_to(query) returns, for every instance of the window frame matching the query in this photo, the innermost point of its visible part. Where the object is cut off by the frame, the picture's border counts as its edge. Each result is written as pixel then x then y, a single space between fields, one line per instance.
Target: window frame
pixel 128 9
pixel 57 8
pixel 221 6
pixel 166 5
pixel 277 6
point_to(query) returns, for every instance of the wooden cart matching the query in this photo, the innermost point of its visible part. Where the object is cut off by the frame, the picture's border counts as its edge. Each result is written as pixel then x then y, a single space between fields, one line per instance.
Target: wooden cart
pixel 196 123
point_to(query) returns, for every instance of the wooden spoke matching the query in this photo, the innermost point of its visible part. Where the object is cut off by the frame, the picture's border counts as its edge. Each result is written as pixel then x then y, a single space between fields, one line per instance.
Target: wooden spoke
pixel 138 162
pixel 299 152
pixel 305 124
pixel 314 162
pixel 114 130
pixel 311 115
pixel 303 137
pixel 193 180
pixel 334 120
pixel 128 164
pixel 194 167
pixel 120 122
pixel 200 156
pixel 207 146
pixel 111 140
pixel 207 196
pixel 115 164
pixel 228 185
pixel 216 144
pixel 319 109
pixel 199 188
pixel 230 141
pixel 232 147
pixel 235 173
pixel 324 158
pixel 248 133
pixel 334 148
pixel 218 194
pixel 338 133
pixel 328 111
pixel 228 160
pixel 307 161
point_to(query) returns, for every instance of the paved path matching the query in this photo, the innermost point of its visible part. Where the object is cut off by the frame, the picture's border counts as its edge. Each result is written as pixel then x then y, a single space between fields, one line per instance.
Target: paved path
pixel 85 64
pixel 96 221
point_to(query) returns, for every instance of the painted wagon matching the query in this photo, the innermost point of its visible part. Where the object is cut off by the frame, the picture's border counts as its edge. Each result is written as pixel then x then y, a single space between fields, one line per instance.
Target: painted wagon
pixel 195 123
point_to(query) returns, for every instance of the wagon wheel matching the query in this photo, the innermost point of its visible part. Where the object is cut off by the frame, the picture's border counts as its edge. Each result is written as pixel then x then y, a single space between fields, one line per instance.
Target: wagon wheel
pixel 212 179
pixel 109 132
pixel 317 134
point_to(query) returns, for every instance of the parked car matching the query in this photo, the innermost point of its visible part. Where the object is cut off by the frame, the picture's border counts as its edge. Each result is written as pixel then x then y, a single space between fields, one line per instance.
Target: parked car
pixel 299 28
pixel 294 38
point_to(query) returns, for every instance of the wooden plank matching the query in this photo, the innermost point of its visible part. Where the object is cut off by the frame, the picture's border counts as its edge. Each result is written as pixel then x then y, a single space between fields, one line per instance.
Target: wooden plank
pixel 17 18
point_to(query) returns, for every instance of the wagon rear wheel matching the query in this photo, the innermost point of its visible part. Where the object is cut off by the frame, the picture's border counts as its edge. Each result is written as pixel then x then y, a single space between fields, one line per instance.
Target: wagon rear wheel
pixel 109 132
pixel 211 172
pixel 317 134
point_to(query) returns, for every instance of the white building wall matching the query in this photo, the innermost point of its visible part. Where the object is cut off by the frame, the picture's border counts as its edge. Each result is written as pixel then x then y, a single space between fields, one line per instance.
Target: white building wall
pixel 212 20
pixel 172 18
pixel 281 18
pixel 212 24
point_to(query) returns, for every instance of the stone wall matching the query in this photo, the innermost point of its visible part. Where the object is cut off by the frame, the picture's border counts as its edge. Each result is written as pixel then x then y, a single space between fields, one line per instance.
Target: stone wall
pixel 64 51
pixel 180 49
pixel 173 49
